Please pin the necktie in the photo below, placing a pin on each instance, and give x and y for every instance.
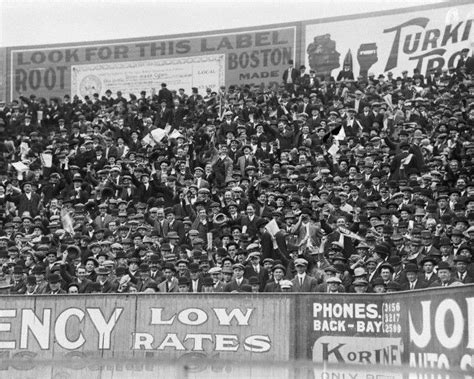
(412, 286)
(167, 287)
(301, 282)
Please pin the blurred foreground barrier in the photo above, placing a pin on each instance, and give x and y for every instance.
(426, 329)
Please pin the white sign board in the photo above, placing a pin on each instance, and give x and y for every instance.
(134, 77)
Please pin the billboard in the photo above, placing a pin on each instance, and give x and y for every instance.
(73, 329)
(430, 38)
(424, 330)
(252, 56)
(440, 331)
(347, 330)
(207, 71)
(239, 334)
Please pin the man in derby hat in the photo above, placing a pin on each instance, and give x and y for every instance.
(445, 276)
(414, 282)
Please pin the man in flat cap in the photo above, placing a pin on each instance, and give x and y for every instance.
(238, 282)
(302, 282)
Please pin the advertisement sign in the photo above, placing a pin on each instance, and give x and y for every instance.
(423, 330)
(440, 331)
(388, 335)
(347, 330)
(183, 327)
(252, 56)
(426, 39)
(207, 71)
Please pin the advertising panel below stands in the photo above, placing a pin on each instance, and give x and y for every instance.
(253, 56)
(440, 329)
(426, 39)
(423, 330)
(354, 329)
(73, 330)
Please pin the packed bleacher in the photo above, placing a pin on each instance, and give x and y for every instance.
(317, 185)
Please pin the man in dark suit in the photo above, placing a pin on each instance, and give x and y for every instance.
(170, 284)
(107, 284)
(445, 276)
(54, 285)
(315, 120)
(174, 225)
(163, 116)
(127, 190)
(366, 118)
(145, 280)
(76, 194)
(156, 218)
(247, 159)
(236, 284)
(103, 218)
(250, 222)
(460, 269)
(164, 94)
(254, 268)
(302, 282)
(19, 280)
(100, 161)
(80, 279)
(217, 284)
(155, 269)
(28, 201)
(195, 283)
(404, 163)
(303, 80)
(428, 275)
(358, 103)
(427, 242)
(414, 282)
(110, 150)
(194, 99)
(262, 209)
(465, 61)
(146, 188)
(273, 285)
(290, 76)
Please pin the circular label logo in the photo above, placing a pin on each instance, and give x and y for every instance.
(89, 85)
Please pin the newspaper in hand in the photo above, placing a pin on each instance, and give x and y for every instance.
(272, 228)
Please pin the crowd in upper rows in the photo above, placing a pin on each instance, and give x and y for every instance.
(315, 185)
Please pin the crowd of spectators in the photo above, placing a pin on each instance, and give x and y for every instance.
(315, 185)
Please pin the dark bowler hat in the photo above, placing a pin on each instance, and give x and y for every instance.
(411, 267)
(428, 258)
(444, 266)
(54, 278)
